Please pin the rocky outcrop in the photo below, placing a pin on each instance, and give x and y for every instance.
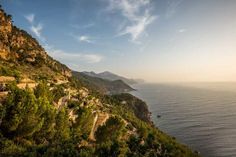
(4, 79)
(5, 30)
(21, 48)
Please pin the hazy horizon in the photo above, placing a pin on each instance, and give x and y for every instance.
(154, 40)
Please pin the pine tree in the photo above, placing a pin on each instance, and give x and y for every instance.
(62, 126)
(84, 123)
(21, 118)
(111, 130)
(48, 114)
(42, 90)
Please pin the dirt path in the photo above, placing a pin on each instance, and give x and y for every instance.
(91, 136)
(99, 119)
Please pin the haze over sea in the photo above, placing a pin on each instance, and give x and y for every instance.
(201, 115)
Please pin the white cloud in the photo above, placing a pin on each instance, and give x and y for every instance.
(137, 12)
(30, 18)
(136, 30)
(73, 58)
(92, 58)
(35, 28)
(182, 30)
(84, 38)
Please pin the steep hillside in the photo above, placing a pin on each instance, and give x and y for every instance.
(103, 85)
(44, 111)
(138, 106)
(21, 52)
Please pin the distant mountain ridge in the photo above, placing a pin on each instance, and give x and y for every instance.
(102, 85)
(112, 77)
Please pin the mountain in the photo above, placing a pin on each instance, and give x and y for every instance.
(46, 111)
(21, 52)
(102, 85)
(112, 77)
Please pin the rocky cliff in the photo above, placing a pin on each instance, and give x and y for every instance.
(18, 47)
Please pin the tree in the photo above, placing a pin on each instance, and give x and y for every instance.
(84, 123)
(58, 92)
(62, 126)
(2, 113)
(22, 115)
(111, 130)
(111, 149)
(42, 90)
(46, 133)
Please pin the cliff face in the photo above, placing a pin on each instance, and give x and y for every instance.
(5, 29)
(21, 48)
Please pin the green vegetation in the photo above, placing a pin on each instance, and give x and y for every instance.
(7, 71)
(101, 85)
(84, 123)
(31, 126)
(24, 117)
(58, 92)
(133, 104)
(111, 130)
(148, 140)
(29, 122)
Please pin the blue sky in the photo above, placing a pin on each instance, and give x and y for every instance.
(157, 40)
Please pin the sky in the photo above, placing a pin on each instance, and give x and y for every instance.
(156, 40)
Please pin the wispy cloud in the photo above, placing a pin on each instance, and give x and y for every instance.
(30, 18)
(82, 38)
(137, 12)
(35, 28)
(172, 7)
(92, 58)
(73, 58)
(138, 28)
(182, 30)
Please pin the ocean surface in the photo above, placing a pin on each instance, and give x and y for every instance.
(200, 115)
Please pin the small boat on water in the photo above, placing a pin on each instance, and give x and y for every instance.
(158, 116)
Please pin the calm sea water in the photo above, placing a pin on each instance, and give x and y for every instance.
(202, 115)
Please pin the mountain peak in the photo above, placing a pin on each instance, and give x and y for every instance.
(105, 72)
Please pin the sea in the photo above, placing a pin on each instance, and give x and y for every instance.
(200, 115)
